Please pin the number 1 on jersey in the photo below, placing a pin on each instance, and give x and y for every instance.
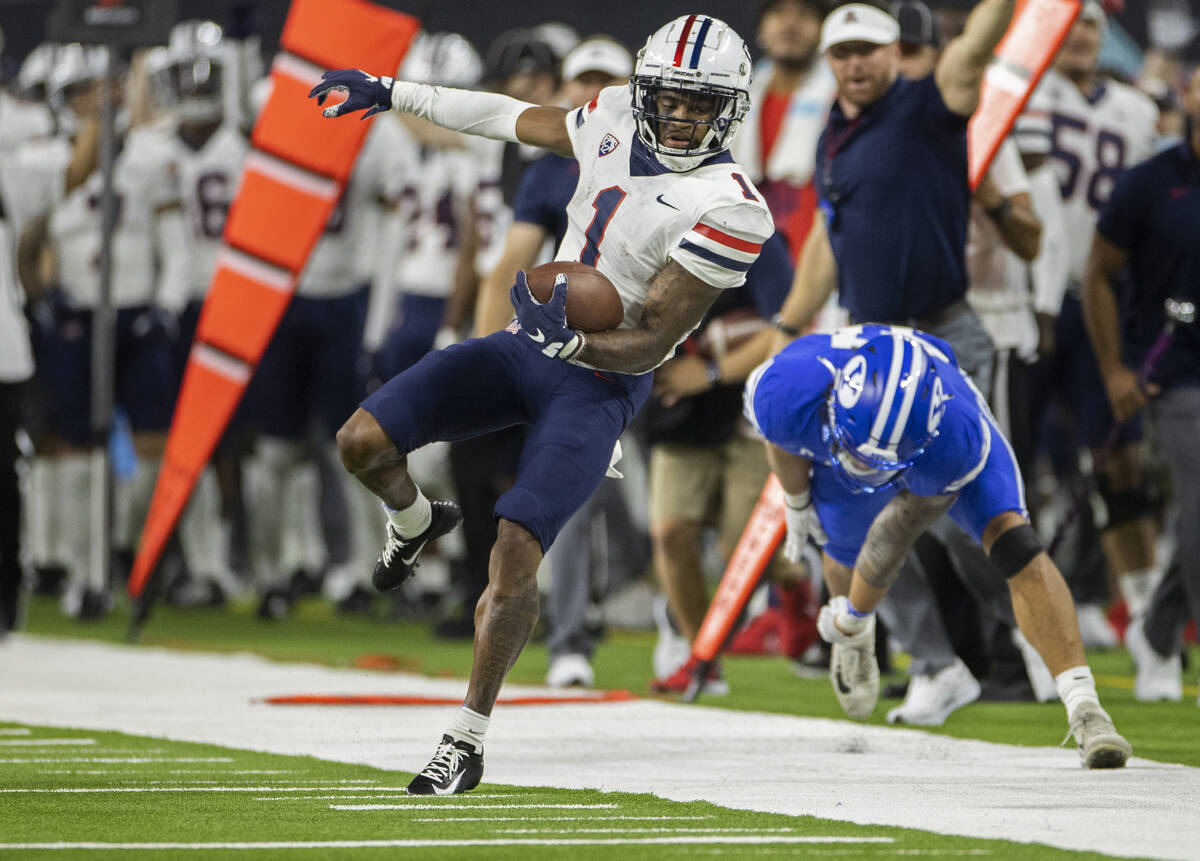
(605, 204)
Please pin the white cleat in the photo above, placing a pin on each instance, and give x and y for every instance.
(570, 671)
(933, 698)
(1095, 629)
(1158, 678)
(1100, 745)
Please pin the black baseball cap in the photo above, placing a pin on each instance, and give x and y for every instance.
(917, 24)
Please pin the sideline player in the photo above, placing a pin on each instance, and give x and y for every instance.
(665, 213)
(875, 433)
(1101, 129)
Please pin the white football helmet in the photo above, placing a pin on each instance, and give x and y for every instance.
(693, 54)
(33, 79)
(444, 59)
(187, 75)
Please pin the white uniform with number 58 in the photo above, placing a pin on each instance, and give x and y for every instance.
(1095, 140)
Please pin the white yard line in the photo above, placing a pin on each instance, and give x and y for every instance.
(133, 760)
(448, 806)
(16, 731)
(764, 762)
(428, 844)
(46, 742)
(583, 818)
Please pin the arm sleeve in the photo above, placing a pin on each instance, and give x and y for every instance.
(489, 115)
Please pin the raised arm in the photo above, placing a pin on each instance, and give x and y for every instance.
(960, 70)
(489, 115)
(674, 306)
(814, 283)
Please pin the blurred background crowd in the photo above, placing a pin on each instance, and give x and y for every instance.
(419, 253)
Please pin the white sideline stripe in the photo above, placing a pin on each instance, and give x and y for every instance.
(46, 742)
(288, 174)
(472, 806)
(421, 844)
(115, 759)
(557, 818)
(693, 829)
(16, 731)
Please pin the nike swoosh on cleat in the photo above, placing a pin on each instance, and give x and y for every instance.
(841, 684)
(452, 788)
(537, 337)
(664, 203)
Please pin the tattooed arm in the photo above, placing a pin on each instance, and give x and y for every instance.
(889, 539)
(674, 306)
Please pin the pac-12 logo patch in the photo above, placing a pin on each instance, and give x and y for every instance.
(607, 145)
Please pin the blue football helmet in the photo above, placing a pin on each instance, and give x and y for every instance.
(884, 410)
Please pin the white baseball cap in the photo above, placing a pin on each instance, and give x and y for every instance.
(597, 55)
(858, 22)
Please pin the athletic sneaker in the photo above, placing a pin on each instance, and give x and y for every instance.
(855, 674)
(671, 649)
(399, 556)
(570, 671)
(456, 767)
(933, 698)
(1158, 678)
(679, 681)
(1100, 745)
(1094, 628)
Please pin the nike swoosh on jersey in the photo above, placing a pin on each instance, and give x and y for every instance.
(537, 337)
(664, 203)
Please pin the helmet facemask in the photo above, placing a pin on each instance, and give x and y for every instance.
(728, 106)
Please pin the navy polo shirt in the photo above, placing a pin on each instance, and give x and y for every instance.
(545, 190)
(893, 186)
(1154, 214)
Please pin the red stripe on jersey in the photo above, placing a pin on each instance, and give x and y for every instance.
(592, 104)
(687, 29)
(727, 240)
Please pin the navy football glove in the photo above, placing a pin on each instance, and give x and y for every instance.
(546, 324)
(362, 91)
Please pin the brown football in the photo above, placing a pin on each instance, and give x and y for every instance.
(593, 304)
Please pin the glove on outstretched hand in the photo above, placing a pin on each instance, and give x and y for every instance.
(362, 91)
(546, 324)
(802, 522)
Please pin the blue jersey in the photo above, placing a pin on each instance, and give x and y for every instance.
(546, 188)
(788, 401)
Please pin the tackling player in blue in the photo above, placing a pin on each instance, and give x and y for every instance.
(875, 433)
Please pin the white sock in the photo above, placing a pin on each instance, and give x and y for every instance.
(413, 520)
(469, 726)
(1138, 588)
(1076, 688)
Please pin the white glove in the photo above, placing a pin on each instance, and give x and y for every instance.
(837, 624)
(802, 523)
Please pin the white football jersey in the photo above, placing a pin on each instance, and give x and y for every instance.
(32, 178)
(1095, 140)
(493, 216)
(144, 183)
(208, 180)
(433, 196)
(630, 215)
(344, 257)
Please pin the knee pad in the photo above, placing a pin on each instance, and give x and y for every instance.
(1015, 549)
(1125, 506)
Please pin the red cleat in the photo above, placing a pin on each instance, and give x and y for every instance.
(679, 681)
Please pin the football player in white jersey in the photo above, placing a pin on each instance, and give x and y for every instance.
(665, 213)
(146, 255)
(206, 152)
(1101, 128)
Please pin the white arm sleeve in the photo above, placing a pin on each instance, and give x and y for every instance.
(488, 115)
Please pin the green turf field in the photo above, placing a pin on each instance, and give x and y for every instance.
(79, 794)
(70, 794)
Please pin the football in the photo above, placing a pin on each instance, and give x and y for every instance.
(593, 304)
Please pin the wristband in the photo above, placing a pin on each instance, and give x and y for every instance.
(777, 322)
(796, 501)
(855, 613)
